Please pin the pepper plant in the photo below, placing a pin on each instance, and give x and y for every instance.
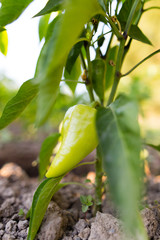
(110, 123)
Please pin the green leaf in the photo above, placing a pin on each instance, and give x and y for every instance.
(89, 198)
(84, 208)
(10, 10)
(74, 75)
(49, 82)
(17, 104)
(110, 66)
(101, 2)
(46, 151)
(125, 11)
(120, 143)
(156, 147)
(3, 42)
(64, 36)
(73, 55)
(83, 199)
(42, 62)
(137, 34)
(51, 6)
(43, 26)
(41, 199)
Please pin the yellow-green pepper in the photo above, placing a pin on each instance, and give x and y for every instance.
(79, 138)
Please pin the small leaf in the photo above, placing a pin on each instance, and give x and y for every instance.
(120, 142)
(10, 10)
(43, 25)
(3, 42)
(41, 199)
(89, 204)
(17, 104)
(51, 6)
(110, 66)
(83, 199)
(87, 181)
(89, 198)
(84, 208)
(137, 34)
(45, 153)
(21, 212)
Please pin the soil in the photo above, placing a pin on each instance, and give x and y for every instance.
(64, 219)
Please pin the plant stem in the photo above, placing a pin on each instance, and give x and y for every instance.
(150, 8)
(86, 163)
(89, 84)
(120, 57)
(102, 35)
(143, 60)
(98, 182)
(108, 47)
(83, 61)
(117, 72)
(114, 28)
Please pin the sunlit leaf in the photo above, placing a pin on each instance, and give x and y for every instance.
(137, 34)
(40, 202)
(43, 25)
(64, 36)
(119, 138)
(51, 6)
(17, 104)
(10, 10)
(46, 151)
(3, 42)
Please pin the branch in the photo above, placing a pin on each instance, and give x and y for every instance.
(150, 55)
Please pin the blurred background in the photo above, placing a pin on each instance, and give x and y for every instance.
(19, 65)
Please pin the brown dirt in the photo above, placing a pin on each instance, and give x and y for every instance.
(17, 189)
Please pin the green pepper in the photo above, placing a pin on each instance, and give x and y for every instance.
(98, 77)
(78, 139)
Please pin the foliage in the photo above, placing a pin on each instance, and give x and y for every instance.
(79, 27)
(86, 201)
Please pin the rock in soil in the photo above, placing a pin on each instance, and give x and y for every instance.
(14, 185)
(53, 224)
(107, 227)
(150, 221)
